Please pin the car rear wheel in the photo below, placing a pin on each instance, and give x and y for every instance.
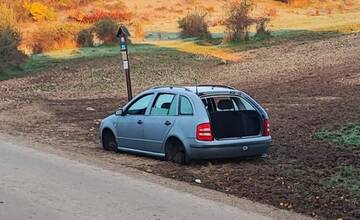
(175, 152)
(109, 142)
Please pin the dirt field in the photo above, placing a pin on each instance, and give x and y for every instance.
(304, 86)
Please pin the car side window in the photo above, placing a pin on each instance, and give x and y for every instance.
(185, 106)
(163, 105)
(140, 105)
(242, 104)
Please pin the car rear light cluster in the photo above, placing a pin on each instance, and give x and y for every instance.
(266, 128)
(203, 132)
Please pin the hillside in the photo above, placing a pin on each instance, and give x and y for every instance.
(47, 25)
(162, 15)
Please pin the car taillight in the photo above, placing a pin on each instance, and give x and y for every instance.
(266, 128)
(203, 132)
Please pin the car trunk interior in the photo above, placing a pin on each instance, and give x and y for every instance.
(232, 117)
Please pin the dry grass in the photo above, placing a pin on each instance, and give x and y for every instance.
(285, 16)
(335, 22)
(193, 48)
(162, 16)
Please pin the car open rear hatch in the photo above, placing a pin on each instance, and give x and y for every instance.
(232, 116)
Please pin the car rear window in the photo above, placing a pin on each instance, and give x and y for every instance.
(226, 103)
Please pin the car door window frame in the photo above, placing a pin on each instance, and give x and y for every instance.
(133, 102)
(174, 101)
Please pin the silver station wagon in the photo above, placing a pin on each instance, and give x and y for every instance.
(184, 123)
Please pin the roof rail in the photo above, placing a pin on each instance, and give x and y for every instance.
(171, 87)
(159, 87)
(222, 86)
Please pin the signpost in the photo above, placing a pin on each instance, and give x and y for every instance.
(123, 35)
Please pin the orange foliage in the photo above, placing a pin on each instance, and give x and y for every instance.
(162, 8)
(316, 12)
(270, 12)
(298, 3)
(174, 10)
(39, 11)
(77, 15)
(139, 30)
(301, 3)
(116, 14)
(210, 9)
(329, 10)
(52, 37)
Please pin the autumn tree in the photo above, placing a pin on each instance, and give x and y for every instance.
(194, 25)
(10, 38)
(238, 20)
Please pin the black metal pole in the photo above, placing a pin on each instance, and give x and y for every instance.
(128, 84)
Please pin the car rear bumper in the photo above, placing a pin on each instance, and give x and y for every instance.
(228, 148)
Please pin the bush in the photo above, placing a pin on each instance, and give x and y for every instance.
(194, 25)
(238, 21)
(52, 37)
(85, 38)
(261, 27)
(10, 56)
(106, 30)
(39, 11)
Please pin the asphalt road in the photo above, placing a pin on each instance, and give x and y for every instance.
(39, 185)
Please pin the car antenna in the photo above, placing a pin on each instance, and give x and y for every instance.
(196, 87)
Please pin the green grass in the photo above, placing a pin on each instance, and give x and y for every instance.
(43, 61)
(348, 177)
(348, 135)
(280, 37)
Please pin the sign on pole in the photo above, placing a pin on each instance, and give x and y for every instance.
(123, 34)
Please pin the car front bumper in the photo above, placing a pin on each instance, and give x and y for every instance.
(228, 148)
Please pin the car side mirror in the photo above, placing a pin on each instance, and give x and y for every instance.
(119, 112)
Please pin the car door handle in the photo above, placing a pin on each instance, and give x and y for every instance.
(140, 122)
(167, 123)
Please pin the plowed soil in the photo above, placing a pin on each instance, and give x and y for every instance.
(304, 86)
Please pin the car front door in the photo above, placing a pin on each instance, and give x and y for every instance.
(130, 126)
(159, 121)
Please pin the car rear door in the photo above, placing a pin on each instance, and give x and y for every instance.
(130, 126)
(160, 120)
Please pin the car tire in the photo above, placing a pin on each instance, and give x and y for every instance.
(181, 158)
(175, 152)
(109, 142)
